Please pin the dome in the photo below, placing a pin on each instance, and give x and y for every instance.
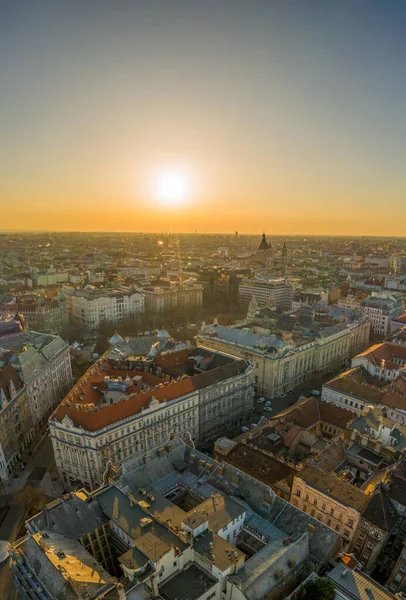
(163, 334)
(116, 339)
(61, 296)
(41, 301)
(263, 244)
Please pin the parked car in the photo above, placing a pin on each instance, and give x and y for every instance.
(261, 400)
(282, 396)
(253, 425)
(268, 408)
(315, 393)
(244, 429)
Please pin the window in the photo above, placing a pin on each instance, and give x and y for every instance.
(298, 493)
(337, 527)
(332, 512)
(323, 506)
(329, 522)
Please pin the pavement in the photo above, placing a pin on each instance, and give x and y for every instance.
(280, 404)
(38, 472)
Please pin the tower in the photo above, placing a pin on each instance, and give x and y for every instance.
(264, 252)
(285, 258)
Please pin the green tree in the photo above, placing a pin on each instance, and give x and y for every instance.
(318, 589)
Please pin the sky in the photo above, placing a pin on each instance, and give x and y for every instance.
(275, 115)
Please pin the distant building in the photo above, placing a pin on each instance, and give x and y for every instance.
(277, 290)
(159, 297)
(282, 365)
(40, 313)
(382, 308)
(355, 389)
(39, 280)
(92, 307)
(264, 253)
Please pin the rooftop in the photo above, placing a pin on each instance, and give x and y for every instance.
(69, 570)
(187, 584)
(106, 394)
(332, 486)
(352, 584)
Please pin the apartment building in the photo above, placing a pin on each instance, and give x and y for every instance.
(383, 361)
(281, 365)
(91, 307)
(382, 308)
(119, 408)
(330, 500)
(16, 423)
(43, 364)
(278, 292)
(159, 297)
(40, 313)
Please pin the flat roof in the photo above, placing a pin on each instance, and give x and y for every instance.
(188, 584)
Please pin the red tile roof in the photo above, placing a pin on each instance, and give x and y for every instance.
(82, 403)
(386, 352)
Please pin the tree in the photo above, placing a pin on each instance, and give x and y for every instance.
(318, 589)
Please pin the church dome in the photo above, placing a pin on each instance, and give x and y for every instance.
(163, 334)
(263, 245)
(116, 339)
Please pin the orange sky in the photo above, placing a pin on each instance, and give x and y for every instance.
(284, 127)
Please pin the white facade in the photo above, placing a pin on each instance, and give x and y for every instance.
(158, 299)
(91, 308)
(381, 308)
(285, 366)
(47, 375)
(82, 455)
(278, 291)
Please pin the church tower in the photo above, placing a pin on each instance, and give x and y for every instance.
(264, 252)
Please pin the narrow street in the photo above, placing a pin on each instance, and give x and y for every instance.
(35, 475)
(8, 531)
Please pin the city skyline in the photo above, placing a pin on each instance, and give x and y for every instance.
(282, 117)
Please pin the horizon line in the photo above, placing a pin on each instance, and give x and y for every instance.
(193, 232)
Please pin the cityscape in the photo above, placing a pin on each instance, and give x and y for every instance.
(203, 301)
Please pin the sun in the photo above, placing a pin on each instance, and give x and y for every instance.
(172, 187)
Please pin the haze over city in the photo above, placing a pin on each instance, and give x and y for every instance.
(202, 300)
(284, 116)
